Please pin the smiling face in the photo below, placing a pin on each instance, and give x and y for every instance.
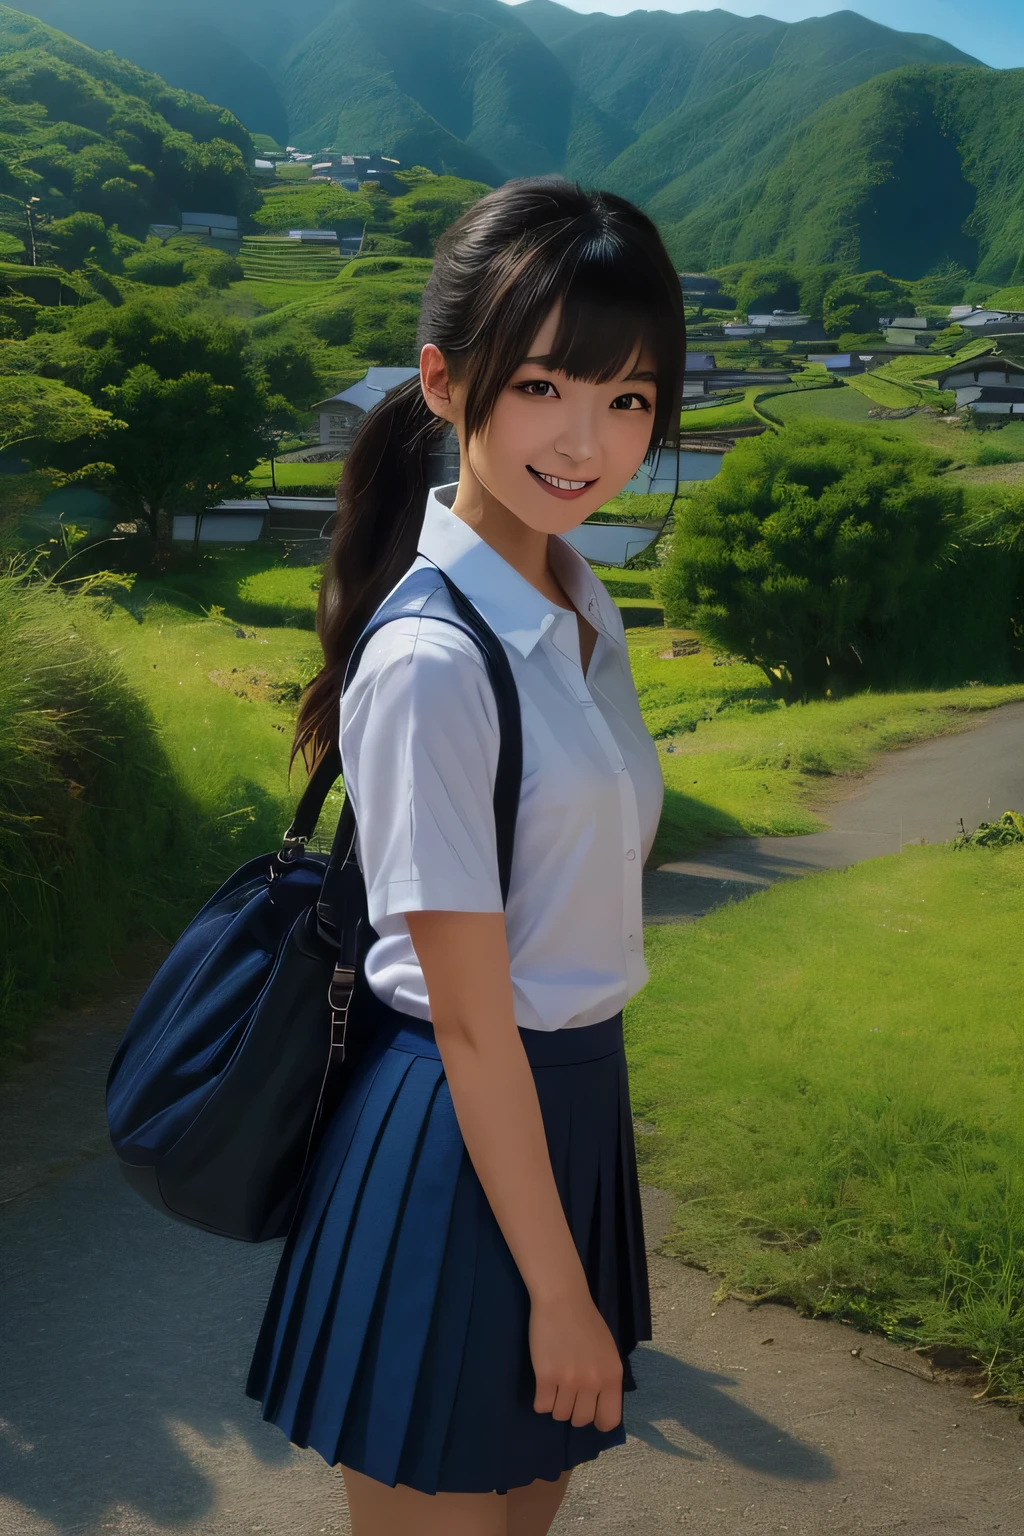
(555, 448)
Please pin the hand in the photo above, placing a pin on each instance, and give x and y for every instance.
(576, 1362)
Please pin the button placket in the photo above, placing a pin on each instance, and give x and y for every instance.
(632, 906)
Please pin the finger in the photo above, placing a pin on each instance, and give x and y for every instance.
(583, 1412)
(544, 1397)
(608, 1414)
(564, 1403)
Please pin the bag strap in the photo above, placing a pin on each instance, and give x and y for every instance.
(409, 599)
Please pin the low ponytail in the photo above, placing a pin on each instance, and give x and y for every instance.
(498, 271)
(381, 500)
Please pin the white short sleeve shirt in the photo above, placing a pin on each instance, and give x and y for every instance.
(419, 743)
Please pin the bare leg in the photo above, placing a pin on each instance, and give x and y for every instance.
(532, 1509)
(378, 1510)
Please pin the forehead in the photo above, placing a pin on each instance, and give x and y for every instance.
(641, 359)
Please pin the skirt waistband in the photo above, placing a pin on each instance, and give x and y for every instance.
(544, 1047)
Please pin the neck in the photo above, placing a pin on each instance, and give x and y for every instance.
(524, 548)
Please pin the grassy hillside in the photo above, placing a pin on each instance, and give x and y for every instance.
(86, 131)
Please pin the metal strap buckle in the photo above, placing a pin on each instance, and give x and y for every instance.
(292, 847)
(339, 996)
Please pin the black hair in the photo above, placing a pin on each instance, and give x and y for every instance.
(498, 272)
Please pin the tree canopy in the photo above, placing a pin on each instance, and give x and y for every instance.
(799, 553)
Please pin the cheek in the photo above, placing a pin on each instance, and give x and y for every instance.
(515, 432)
(629, 442)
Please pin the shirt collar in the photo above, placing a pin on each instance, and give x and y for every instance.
(514, 609)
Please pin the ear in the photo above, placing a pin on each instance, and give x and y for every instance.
(435, 383)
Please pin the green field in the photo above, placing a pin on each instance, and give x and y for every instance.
(843, 404)
(742, 763)
(831, 1075)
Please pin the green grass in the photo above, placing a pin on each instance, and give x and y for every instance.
(833, 1072)
(285, 475)
(742, 763)
(715, 418)
(843, 404)
(275, 295)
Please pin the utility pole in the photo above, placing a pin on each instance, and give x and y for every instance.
(29, 212)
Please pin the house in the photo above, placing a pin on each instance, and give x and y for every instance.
(993, 322)
(215, 226)
(349, 171)
(904, 323)
(741, 332)
(996, 402)
(341, 415)
(788, 325)
(991, 385)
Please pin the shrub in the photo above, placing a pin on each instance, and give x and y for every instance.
(335, 326)
(798, 556)
(159, 268)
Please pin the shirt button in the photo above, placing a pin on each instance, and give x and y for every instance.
(630, 853)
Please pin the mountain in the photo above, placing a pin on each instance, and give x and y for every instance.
(910, 170)
(224, 50)
(829, 139)
(460, 85)
(88, 132)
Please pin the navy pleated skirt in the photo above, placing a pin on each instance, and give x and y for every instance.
(395, 1340)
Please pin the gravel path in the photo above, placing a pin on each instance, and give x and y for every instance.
(917, 794)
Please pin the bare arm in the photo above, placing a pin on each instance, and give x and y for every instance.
(465, 962)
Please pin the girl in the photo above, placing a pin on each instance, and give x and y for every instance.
(465, 1276)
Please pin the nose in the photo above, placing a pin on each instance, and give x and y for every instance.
(576, 439)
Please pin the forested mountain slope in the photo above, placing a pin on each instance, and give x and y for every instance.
(90, 132)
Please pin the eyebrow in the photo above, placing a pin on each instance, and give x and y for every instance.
(646, 375)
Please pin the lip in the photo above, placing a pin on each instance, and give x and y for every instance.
(553, 490)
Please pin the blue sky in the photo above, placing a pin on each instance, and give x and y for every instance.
(990, 30)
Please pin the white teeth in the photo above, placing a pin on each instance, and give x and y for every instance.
(563, 485)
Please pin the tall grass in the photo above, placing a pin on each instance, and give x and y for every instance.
(97, 841)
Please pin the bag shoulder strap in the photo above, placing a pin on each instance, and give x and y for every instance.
(409, 599)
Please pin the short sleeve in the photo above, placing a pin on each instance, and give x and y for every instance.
(419, 744)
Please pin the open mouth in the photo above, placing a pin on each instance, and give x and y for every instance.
(559, 486)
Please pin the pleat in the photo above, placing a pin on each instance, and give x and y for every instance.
(406, 1304)
(318, 1240)
(442, 1365)
(396, 1339)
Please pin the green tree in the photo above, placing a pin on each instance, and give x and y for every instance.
(857, 303)
(765, 286)
(83, 237)
(189, 442)
(32, 408)
(192, 404)
(798, 555)
(425, 212)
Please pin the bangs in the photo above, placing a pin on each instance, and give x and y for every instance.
(615, 304)
(606, 320)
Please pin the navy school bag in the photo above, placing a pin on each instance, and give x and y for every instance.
(242, 1043)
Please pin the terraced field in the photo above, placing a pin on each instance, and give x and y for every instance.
(276, 259)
